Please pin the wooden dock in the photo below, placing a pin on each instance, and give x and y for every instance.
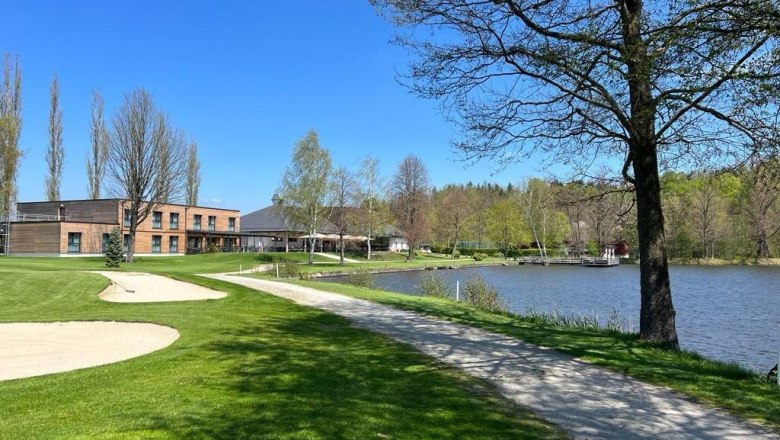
(571, 261)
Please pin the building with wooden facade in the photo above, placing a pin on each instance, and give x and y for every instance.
(82, 227)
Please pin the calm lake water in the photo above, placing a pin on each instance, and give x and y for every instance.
(726, 313)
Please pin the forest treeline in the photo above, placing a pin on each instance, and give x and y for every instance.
(725, 214)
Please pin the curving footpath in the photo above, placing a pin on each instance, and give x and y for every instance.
(585, 401)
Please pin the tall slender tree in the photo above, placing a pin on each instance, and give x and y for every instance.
(344, 193)
(599, 81)
(141, 136)
(98, 157)
(193, 173)
(370, 188)
(55, 155)
(10, 131)
(306, 189)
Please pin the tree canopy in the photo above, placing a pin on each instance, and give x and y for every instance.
(643, 83)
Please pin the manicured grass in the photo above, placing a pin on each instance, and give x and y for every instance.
(722, 385)
(247, 366)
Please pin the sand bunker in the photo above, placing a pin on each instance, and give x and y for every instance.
(137, 287)
(35, 349)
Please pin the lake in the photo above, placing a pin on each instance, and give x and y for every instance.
(728, 313)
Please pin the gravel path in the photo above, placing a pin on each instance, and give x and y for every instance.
(585, 401)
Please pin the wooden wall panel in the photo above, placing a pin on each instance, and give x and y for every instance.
(35, 237)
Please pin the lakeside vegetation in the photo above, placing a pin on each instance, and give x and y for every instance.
(250, 365)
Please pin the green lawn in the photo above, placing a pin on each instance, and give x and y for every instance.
(722, 385)
(247, 366)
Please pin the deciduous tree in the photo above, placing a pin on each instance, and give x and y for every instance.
(505, 226)
(98, 136)
(602, 80)
(306, 187)
(55, 155)
(344, 194)
(454, 215)
(369, 191)
(410, 190)
(10, 131)
(193, 174)
(142, 138)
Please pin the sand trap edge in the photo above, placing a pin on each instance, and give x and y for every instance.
(32, 349)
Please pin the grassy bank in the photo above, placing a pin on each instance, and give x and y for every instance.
(247, 366)
(722, 385)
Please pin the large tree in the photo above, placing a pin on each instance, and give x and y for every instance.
(55, 154)
(147, 159)
(10, 131)
(410, 191)
(98, 157)
(306, 189)
(602, 81)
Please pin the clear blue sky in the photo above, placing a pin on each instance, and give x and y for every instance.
(245, 79)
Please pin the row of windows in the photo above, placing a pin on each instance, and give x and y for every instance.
(173, 223)
(74, 243)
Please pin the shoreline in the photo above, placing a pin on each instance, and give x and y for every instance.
(353, 270)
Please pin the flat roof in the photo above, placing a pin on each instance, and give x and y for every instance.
(122, 200)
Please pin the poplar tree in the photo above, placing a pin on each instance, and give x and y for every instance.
(10, 131)
(193, 174)
(55, 155)
(98, 157)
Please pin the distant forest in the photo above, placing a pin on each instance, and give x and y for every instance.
(726, 214)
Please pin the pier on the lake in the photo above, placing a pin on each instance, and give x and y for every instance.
(609, 261)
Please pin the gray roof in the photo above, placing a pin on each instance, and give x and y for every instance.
(274, 219)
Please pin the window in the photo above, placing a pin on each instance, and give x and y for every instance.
(157, 220)
(173, 244)
(212, 222)
(126, 243)
(174, 220)
(127, 217)
(156, 243)
(74, 242)
(232, 224)
(106, 238)
(196, 222)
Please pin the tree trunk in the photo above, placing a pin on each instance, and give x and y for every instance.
(657, 315)
(763, 245)
(341, 243)
(368, 242)
(311, 250)
(130, 245)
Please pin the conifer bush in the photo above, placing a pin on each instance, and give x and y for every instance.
(114, 249)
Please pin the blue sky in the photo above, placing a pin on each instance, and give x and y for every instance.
(245, 79)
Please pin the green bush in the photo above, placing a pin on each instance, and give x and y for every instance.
(478, 256)
(287, 269)
(114, 249)
(362, 278)
(213, 248)
(456, 254)
(434, 285)
(483, 295)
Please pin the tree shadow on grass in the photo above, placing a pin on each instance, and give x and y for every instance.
(312, 375)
